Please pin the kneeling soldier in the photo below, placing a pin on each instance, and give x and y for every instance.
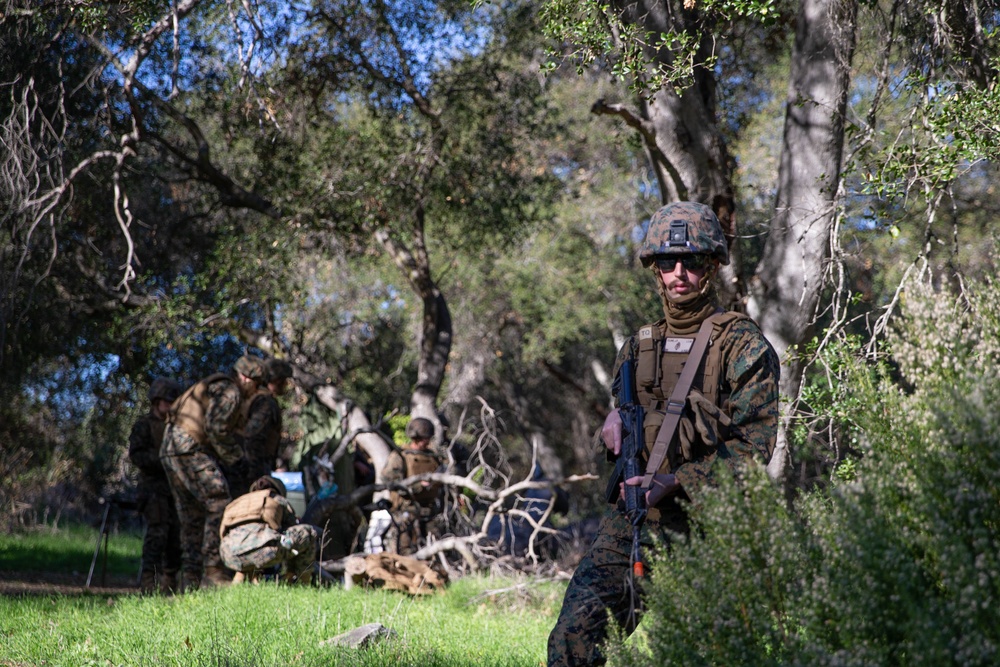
(259, 530)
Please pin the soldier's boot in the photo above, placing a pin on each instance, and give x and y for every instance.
(239, 578)
(147, 582)
(216, 576)
(168, 583)
(191, 581)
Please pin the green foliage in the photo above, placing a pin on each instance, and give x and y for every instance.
(397, 426)
(599, 32)
(896, 565)
(727, 597)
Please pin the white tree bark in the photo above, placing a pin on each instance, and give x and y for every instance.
(786, 288)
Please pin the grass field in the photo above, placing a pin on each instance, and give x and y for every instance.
(69, 550)
(477, 621)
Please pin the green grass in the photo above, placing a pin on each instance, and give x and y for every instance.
(68, 550)
(472, 623)
(270, 625)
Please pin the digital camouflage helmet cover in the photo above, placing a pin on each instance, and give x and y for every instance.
(268, 482)
(420, 428)
(684, 228)
(251, 367)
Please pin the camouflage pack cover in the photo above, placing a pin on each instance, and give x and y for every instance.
(683, 228)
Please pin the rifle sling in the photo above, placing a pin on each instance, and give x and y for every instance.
(675, 406)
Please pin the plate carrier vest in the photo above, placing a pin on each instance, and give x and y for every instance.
(188, 411)
(253, 507)
(659, 362)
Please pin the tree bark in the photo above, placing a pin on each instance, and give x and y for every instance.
(786, 289)
(436, 328)
(683, 142)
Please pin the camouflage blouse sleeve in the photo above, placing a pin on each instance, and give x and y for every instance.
(221, 419)
(394, 471)
(142, 450)
(264, 417)
(751, 379)
(288, 519)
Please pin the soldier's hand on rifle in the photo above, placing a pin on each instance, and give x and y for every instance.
(611, 432)
(663, 485)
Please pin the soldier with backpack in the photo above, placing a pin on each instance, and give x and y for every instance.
(203, 435)
(259, 531)
(402, 527)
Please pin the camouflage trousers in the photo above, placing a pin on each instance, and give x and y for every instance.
(405, 536)
(161, 546)
(257, 546)
(201, 494)
(602, 583)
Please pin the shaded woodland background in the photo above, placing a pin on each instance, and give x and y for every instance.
(432, 206)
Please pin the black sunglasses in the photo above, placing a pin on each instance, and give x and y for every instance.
(666, 263)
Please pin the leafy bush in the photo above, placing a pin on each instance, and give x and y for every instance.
(897, 566)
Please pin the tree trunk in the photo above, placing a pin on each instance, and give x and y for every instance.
(786, 289)
(435, 332)
(682, 140)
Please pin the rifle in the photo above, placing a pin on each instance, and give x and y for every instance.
(629, 462)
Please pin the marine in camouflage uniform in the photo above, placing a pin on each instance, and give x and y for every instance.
(412, 512)
(262, 433)
(257, 418)
(161, 546)
(729, 418)
(259, 531)
(201, 437)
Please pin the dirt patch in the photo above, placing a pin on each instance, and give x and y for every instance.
(19, 584)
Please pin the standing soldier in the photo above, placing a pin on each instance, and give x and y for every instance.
(201, 436)
(161, 548)
(262, 433)
(411, 513)
(722, 412)
(253, 383)
(259, 530)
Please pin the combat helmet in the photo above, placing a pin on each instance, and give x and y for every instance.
(683, 228)
(164, 388)
(251, 367)
(420, 428)
(269, 482)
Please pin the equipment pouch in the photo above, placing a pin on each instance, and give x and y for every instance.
(703, 430)
(650, 428)
(647, 367)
